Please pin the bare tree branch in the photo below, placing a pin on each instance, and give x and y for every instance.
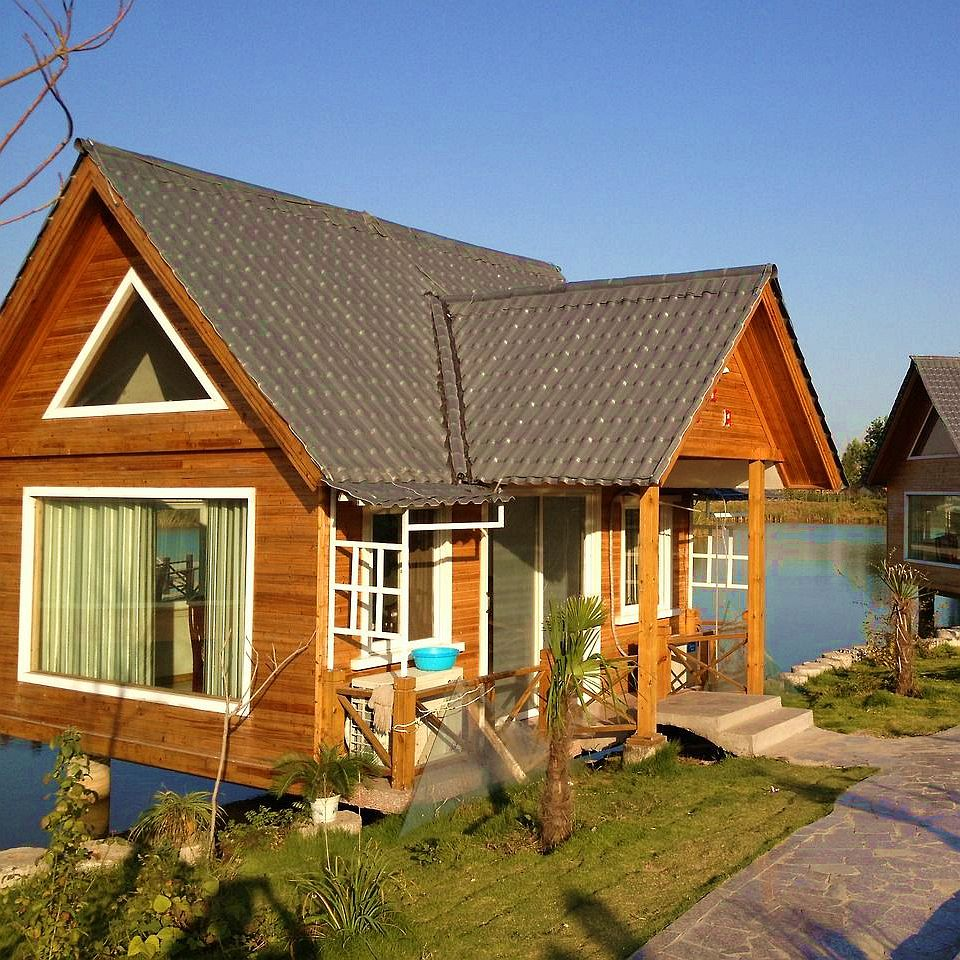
(51, 45)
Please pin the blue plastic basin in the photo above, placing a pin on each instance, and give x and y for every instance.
(435, 658)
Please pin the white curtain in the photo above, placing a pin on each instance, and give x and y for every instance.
(225, 592)
(97, 590)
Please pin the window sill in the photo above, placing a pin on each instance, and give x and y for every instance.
(625, 619)
(101, 688)
(389, 660)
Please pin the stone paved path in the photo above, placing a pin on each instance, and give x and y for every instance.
(877, 878)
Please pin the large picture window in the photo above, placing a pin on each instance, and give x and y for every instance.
(933, 528)
(145, 594)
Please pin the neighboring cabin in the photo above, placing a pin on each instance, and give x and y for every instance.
(919, 464)
(234, 420)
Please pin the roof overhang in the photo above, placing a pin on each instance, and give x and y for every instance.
(406, 495)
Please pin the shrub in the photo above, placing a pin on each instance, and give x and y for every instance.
(262, 828)
(179, 819)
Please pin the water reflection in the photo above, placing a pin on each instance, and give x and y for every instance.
(820, 583)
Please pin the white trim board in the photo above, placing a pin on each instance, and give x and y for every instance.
(25, 671)
(90, 352)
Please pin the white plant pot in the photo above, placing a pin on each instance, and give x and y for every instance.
(324, 809)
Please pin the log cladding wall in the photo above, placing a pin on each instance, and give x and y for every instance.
(940, 475)
(611, 538)
(209, 449)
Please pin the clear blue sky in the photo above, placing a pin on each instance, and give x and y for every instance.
(610, 138)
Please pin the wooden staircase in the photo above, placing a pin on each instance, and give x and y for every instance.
(743, 724)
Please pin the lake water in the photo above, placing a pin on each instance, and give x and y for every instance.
(819, 583)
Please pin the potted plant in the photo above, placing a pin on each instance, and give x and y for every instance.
(323, 779)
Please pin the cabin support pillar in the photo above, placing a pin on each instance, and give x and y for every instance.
(97, 781)
(646, 740)
(403, 743)
(756, 577)
(926, 605)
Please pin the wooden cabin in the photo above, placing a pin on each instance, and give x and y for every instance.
(918, 461)
(235, 423)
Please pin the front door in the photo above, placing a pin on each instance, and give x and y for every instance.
(536, 560)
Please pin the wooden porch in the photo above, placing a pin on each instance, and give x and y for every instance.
(481, 707)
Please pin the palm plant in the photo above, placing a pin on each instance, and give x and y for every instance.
(175, 818)
(576, 666)
(892, 637)
(331, 772)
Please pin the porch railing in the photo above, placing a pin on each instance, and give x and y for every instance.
(707, 659)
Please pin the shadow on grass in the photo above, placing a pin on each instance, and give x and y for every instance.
(599, 925)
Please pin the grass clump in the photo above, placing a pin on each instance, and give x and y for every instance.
(858, 699)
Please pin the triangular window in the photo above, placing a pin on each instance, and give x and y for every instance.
(933, 439)
(134, 362)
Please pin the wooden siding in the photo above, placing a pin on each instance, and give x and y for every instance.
(773, 415)
(940, 475)
(203, 449)
(284, 614)
(65, 317)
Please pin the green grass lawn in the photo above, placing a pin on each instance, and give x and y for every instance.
(649, 843)
(857, 700)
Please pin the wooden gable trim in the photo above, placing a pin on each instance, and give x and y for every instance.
(21, 335)
(288, 442)
(25, 308)
(786, 451)
(908, 415)
(801, 385)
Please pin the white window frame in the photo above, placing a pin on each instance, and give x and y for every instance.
(131, 284)
(442, 595)
(630, 613)
(932, 412)
(906, 527)
(28, 559)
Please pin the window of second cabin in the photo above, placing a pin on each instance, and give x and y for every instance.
(933, 439)
(933, 528)
(137, 364)
(630, 567)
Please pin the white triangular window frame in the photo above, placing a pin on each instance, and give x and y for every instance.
(130, 285)
(932, 414)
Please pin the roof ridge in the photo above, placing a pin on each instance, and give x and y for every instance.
(92, 147)
(766, 271)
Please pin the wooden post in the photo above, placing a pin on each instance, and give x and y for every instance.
(756, 577)
(330, 719)
(646, 740)
(543, 686)
(403, 740)
(926, 606)
(324, 696)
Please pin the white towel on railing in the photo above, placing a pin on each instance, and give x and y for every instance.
(381, 706)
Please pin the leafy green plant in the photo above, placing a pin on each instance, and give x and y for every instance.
(329, 773)
(576, 668)
(262, 828)
(179, 819)
(51, 904)
(350, 897)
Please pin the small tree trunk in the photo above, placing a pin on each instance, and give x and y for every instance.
(905, 650)
(556, 804)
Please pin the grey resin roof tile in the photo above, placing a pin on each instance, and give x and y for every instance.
(324, 307)
(941, 380)
(594, 382)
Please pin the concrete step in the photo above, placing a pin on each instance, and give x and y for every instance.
(759, 734)
(707, 714)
